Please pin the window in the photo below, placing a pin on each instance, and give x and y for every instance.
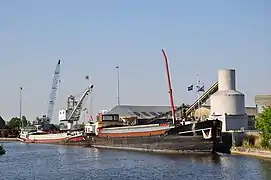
(146, 114)
(116, 117)
(153, 113)
(160, 113)
(136, 113)
(107, 118)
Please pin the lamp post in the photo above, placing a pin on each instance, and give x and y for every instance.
(118, 84)
(21, 96)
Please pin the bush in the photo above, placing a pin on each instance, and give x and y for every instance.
(249, 141)
(263, 124)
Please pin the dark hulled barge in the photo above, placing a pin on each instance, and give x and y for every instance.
(203, 136)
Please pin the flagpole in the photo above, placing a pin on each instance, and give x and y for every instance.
(198, 93)
(118, 85)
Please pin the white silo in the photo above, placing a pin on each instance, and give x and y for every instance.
(227, 100)
(227, 103)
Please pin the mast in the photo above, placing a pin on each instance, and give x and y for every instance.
(170, 89)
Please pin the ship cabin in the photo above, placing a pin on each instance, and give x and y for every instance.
(109, 120)
(108, 117)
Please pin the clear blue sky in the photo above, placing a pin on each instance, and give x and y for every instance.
(92, 37)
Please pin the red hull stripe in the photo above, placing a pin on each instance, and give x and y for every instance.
(132, 134)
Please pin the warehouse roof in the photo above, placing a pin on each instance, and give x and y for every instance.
(142, 112)
(146, 112)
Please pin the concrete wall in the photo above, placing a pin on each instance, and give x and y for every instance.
(230, 123)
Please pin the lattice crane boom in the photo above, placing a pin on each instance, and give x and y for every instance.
(52, 99)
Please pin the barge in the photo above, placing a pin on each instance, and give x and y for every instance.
(40, 136)
(201, 137)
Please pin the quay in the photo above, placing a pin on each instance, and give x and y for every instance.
(8, 139)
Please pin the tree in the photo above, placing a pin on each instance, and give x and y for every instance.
(263, 124)
(28, 123)
(2, 123)
(15, 123)
(24, 121)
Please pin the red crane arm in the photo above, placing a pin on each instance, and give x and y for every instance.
(170, 88)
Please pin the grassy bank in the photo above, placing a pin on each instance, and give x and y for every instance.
(252, 145)
(251, 152)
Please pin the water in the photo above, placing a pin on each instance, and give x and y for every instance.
(51, 162)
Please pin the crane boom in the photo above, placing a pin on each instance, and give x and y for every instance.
(170, 88)
(74, 115)
(53, 92)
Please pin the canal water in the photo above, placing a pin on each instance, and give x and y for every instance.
(52, 162)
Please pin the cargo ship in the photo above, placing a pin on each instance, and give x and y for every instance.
(203, 136)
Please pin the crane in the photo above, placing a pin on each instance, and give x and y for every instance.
(52, 98)
(74, 108)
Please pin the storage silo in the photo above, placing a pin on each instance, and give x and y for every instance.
(227, 100)
(228, 104)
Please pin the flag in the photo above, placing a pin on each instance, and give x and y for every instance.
(200, 89)
(91, 118)
(117, 67)
(21, 88)
(190, 88)
(87, 77)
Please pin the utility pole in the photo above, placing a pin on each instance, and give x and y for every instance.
(118, 84)
(21, 96)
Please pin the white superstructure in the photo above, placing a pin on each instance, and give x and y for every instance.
(228, 104)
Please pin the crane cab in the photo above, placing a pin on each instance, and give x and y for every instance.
(62, 115)
(107, 117)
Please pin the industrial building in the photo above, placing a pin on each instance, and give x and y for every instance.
(226, 104)
(145, 112)
(262, 101)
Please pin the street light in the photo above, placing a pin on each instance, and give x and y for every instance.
(118, 84)
(21, 95)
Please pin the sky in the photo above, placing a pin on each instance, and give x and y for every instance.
(93, 37)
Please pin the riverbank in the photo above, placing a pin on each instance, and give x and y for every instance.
(8, 139)
(251, 152)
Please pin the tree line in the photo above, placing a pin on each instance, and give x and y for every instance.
(14, 123)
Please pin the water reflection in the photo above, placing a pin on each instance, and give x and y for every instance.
(265, 168)
(195, 158)
(93, 153)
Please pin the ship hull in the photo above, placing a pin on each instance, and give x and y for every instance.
(50, 138)
(169, 144)
(197, 137)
